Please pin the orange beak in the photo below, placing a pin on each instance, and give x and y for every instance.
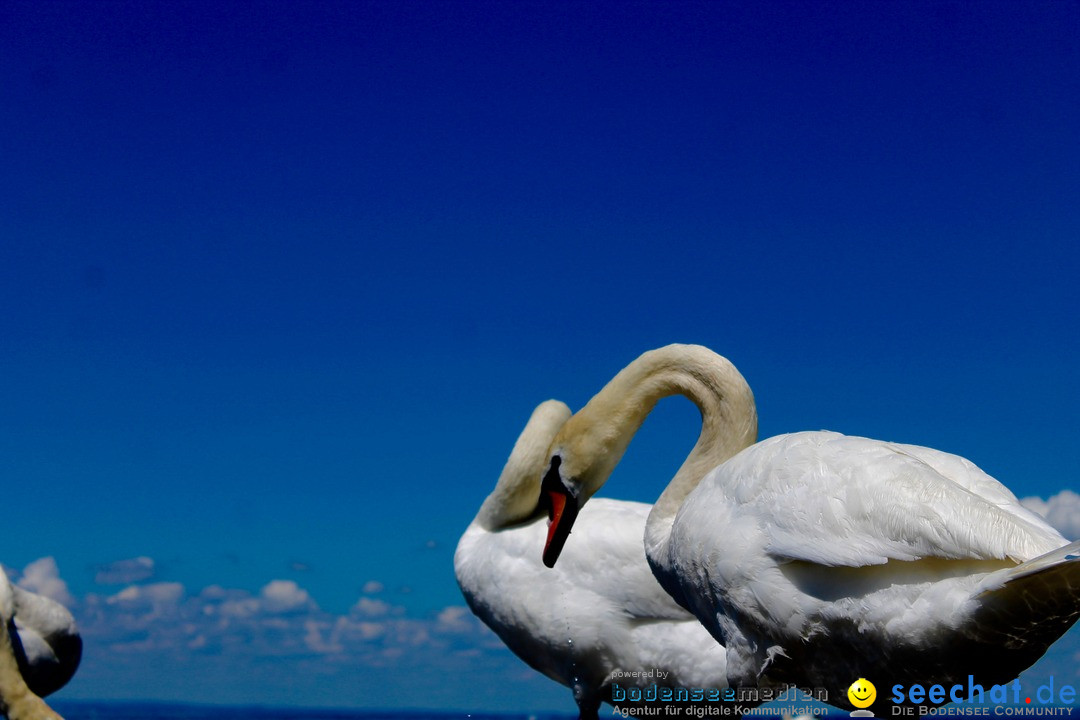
(562, 512)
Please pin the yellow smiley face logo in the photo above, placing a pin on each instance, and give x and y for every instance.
(862, 693)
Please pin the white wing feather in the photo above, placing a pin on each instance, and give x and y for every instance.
(835, 500)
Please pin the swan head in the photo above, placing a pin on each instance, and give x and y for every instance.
(581, 458)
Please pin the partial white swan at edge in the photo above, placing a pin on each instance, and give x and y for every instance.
(597, 618)
(40, 650)
(818, 558)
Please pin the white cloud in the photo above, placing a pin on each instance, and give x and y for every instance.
(359, 631)
(455, 619)
(276, 635)
(1061, 510)
(43, 577)
(152, 596)
(373, 586)
(284, 596)
(236, 608)
(313, 638)
(214, 592)
(123, 572)
(370, 608)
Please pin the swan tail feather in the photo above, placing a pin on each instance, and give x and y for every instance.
(1030, 606)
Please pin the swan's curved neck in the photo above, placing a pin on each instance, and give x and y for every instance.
(711, 382)
(514, 499)
(508, 505)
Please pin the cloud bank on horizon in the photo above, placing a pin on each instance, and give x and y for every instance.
(190, 645)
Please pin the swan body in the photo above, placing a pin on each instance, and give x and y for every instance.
(40, 649)
(848, 557)
(818, 558)
(600, 617)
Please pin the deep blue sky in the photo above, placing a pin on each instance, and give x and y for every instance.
(282, 281)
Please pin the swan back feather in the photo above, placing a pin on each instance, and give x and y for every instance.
(837, 500)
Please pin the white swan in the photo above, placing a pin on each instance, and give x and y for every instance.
(600, 617)
(817, 558)
(40, 649)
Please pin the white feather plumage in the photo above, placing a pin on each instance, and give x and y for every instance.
(600, 611)
(818, 558)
